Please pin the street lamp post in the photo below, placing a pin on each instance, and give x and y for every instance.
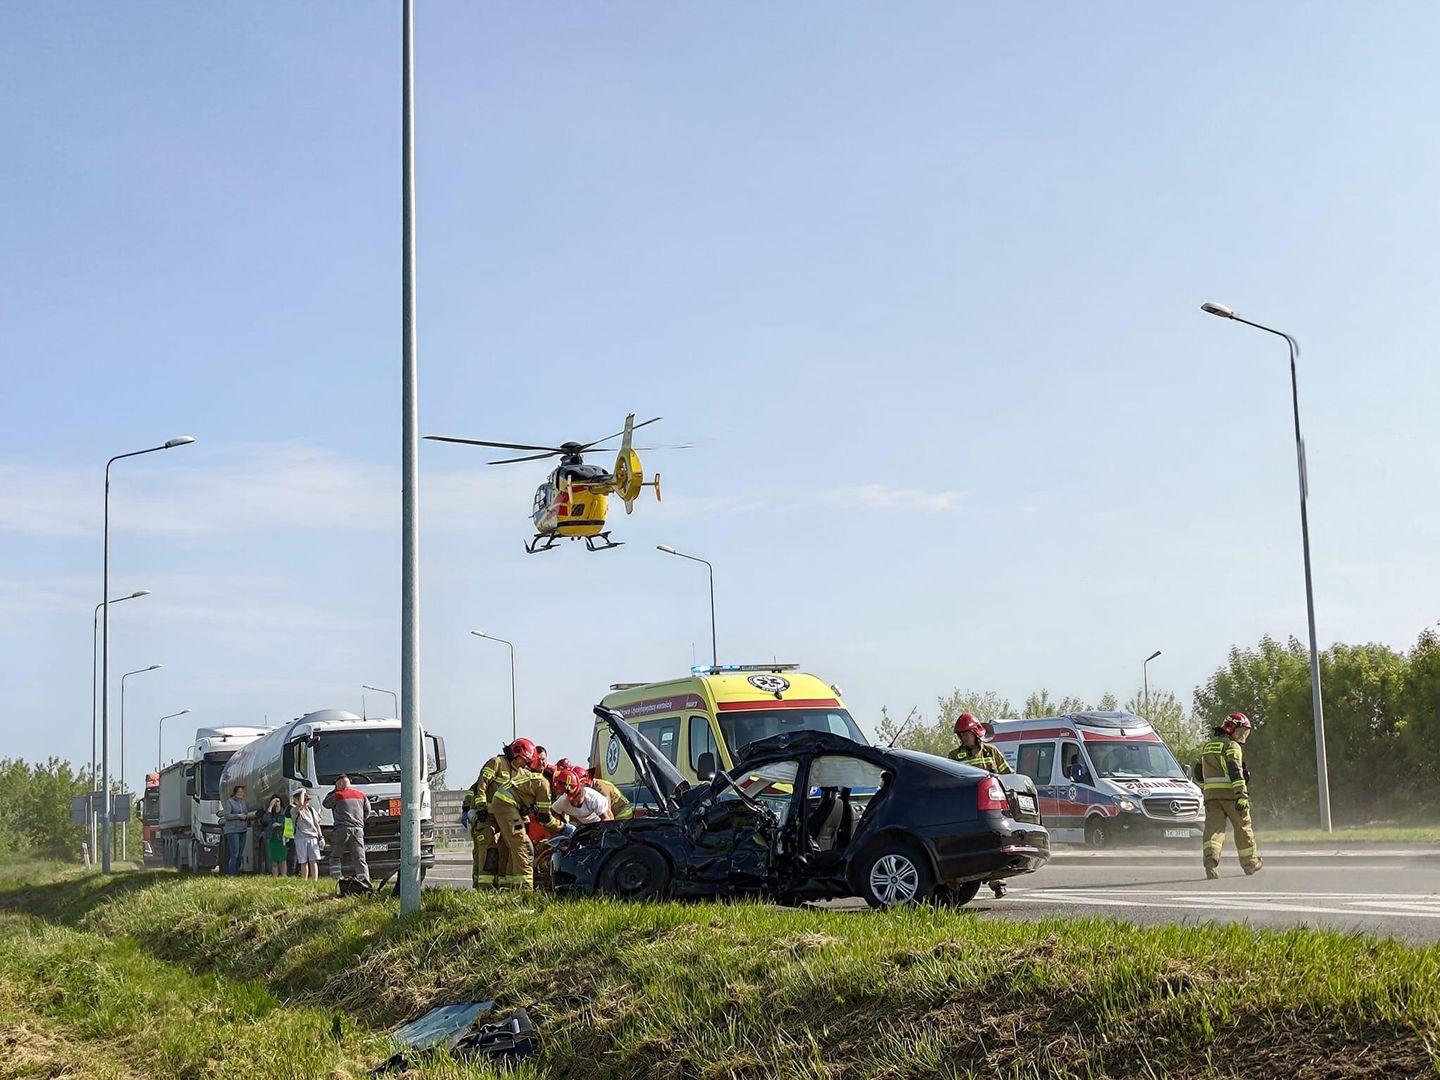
(1145, 676)
(1321, 769)
(514, 733)
(94, 715)
(124, 833)
(382, 690)
(169, 444)
(160, 737)
(714, 651)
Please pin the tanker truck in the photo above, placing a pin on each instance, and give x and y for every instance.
(186, 832)
(310, 753)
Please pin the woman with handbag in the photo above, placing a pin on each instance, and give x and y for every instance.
(272, 831)
(309, 840)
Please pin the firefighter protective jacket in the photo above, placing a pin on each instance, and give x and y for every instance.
(985, 756)
(1222, 769)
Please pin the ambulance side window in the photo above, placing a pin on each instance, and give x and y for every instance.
(702, 741)
(1036, 760)
(1072, 765)
(665, 734)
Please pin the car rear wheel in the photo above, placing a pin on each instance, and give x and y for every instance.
(636, 873)
(895, 875)
(956, 895)
(1097, 834)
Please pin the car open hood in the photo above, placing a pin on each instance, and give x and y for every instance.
(651, 766)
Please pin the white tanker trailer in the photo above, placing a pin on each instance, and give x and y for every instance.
(313, 750)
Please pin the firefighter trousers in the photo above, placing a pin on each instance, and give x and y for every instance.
(517, 857)
(485, 854)
(1217, 812)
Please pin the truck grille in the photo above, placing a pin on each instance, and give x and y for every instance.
(1181, 807)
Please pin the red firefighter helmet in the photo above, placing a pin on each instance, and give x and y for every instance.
(1236, 720)
(967, 722)
(563, 764)
(570, 783)
(524, 749)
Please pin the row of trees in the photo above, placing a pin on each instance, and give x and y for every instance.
(35, 807)
(1382, 726)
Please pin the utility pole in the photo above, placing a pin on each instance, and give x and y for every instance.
(409, 876)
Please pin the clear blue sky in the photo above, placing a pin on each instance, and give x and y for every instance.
(921, 280)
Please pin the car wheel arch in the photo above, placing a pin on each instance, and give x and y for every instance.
(889, 837)
(630, 847)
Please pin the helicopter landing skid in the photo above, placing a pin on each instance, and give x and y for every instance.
(606, 546)
(534, 544)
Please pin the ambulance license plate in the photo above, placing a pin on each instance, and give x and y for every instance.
(1026, 803)
(1177, 834)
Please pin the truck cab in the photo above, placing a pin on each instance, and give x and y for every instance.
(1103, 778)
(188, 800)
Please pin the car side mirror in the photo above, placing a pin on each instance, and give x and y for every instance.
(705, 767)
(190, 781)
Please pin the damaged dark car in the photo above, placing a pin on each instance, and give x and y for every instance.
(809, 815)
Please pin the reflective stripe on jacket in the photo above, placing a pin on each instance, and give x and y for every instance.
(477, 796)
(1222, 769)
(620, 807)
(527, 791)
(985, 756)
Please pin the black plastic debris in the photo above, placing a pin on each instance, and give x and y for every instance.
(462, 1030)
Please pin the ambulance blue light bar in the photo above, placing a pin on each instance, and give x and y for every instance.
(725, 669)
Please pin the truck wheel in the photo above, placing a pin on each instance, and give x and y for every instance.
(895, 874)
(956, 895)
(636, 873)
(1097, 834)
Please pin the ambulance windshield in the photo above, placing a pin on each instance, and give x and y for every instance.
(1137, 760)
(742, 728)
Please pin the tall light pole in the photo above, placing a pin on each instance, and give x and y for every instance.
(410, 754)
(160, 737)
(94, 715)
(169, 444)
(1321, 770)
(138, 671)
(514, 734)
(1145, 675)
(382, 690)
(714, 651)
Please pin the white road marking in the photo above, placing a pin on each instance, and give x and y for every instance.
(1405, 905)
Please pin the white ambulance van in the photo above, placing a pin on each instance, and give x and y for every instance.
(1104, 778)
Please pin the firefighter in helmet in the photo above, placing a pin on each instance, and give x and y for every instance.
(518, 792)
(1222, 773)
(976, 752)
(620, 807)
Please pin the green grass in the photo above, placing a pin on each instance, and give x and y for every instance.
(1354, 834)
(725, 990)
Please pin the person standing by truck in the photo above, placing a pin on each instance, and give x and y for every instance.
(350, 808)
(976, 752)
(272, 832)
(309, 840)
(1221, 772)
(237, 824)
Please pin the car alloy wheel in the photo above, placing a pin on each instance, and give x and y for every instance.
(894, 879)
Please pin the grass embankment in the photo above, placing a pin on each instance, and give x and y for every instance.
(684, 990)
(1354, 834)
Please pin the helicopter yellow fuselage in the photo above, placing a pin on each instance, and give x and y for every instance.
(571, 508)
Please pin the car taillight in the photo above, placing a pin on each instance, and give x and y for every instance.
(992, 796)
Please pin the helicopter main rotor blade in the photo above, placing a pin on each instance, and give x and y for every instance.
(498, 445)
(643, 449)
(633, 427)
(533, 457)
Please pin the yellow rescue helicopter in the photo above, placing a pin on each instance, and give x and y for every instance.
(571, 504)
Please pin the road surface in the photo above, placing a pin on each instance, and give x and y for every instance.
(1386, 892)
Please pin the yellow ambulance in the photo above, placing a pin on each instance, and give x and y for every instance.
(701, 722)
